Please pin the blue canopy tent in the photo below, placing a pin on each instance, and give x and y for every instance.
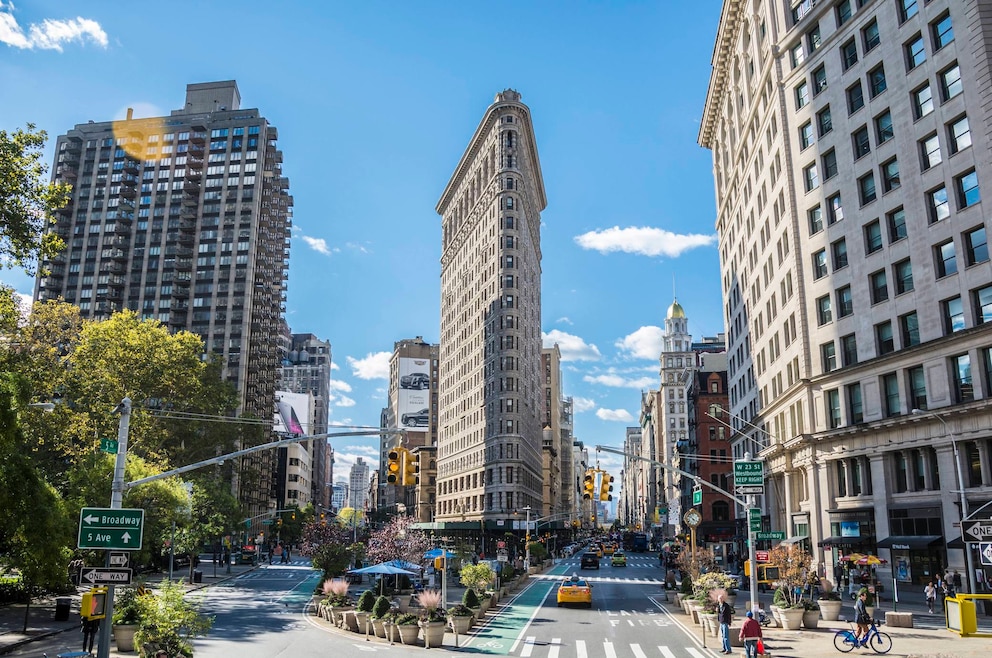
(385, 569)
(438, 552)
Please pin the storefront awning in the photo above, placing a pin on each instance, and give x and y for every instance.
(794, 540)
(846, 541)
(955, 543)
(910, 542)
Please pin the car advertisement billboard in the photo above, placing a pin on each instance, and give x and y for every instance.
(413, 399)
(292, 413)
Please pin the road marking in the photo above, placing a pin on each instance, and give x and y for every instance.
(555, 647)
(636, 648)
(580, 649)
(666, 652)
(695, 653)
(608, 648)
(526, 627)
(528, 646)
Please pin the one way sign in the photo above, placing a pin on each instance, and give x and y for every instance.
(977, 531)
(985, 550)
(106, 576)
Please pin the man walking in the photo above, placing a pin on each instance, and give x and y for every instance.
(724, 615)
(750, 634)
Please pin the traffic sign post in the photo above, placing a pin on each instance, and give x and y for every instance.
(116, 529)
(977, 530)
(749, 475)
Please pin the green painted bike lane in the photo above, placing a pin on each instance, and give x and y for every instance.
(502, 632)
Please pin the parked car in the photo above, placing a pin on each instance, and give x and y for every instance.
(417, 380)
(416, 419)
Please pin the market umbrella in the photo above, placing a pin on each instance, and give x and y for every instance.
(438, 552)
(871, 561)
(385, 569)
(852, 558)
(403, 564)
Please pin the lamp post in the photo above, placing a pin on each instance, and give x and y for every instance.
(527, 542)
(963, 499)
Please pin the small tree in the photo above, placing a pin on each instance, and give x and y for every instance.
(793, 564)
(477, 576)
(695, 563)
(169, 621)
(381, 607)
(397, 540)
(470, 599)
(537, 550)
(366, 601)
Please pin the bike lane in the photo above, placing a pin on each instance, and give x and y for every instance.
(502, 632)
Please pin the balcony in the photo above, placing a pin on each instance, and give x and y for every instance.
(198, 137)
(191, 200)
(126, 205)
(180, 292)
(67, 170)
(194, 162)
(128, 193)
(191, 187)
(131, 165)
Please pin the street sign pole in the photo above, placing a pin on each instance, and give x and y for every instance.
(116, 502)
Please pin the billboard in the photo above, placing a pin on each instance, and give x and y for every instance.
(292, 413)
(414, 395)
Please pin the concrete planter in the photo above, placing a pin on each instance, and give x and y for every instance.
(408, 633)
(710, 623)
(124, 636)
(811, 618)
(461, 624)
(379, 627)
(792, 618)
(433, 633)
(829, 610)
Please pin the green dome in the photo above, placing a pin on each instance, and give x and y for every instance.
(675, 311)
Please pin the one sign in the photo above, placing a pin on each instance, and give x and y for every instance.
(985, 550)
(109, 446)
(106, 576)
(754, 517)
(697, 496)
(978, 530)
(761, 556)
(750, 490)
(749, 473)
(503, 558)
(119, 529)
(774, 535)
(119, 559)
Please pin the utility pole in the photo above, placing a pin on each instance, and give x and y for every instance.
(527, 542)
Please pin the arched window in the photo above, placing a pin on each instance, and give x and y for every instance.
(720, 511)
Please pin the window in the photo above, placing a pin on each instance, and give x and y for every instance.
(813, 38)
(916, 53)
(833, 408)
(855, 98)
(824, 314)
(983, 305)
(890, 175)
(930, 152)
(943, 32)
(873, 237)
(802, 95)
(909, 329)
(806, 135)
(810, 178)
(907, 9)
(845, 302)
(820, 264)
(964, 390)
(815, 216)
(937, 204)
(960, 135)
(854, 404)
(897, 224)
(890, 387)
(976, 246)
(944, 259)
(838, 251)
(843, 12)
(953, 315)
(876, 81)
(849, 54)
(916, 383)
(862, 144)
(797, 55)
(883, 338)
(819, 79)
(866, 187)
(870, 35)
(849, 349)
(835, 211)
(883, 127)
(879, 286)
(824, 122)
(829, 164)
(950, 83)
(828, 356)
(903, 274)
(967, 188)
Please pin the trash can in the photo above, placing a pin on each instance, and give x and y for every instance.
(62, 604)
(197, 576)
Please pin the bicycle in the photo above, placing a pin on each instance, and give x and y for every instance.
(877, 641)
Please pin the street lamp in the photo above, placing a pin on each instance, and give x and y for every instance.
(961, 494)
(527, 542)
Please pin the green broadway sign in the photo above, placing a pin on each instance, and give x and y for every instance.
(118, 529)
(774, 535)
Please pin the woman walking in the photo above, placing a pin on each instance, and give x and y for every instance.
(930, 591)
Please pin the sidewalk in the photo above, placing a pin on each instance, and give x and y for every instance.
(41, 614)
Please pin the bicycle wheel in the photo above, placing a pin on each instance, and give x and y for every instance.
(844, 641)
(880, 642)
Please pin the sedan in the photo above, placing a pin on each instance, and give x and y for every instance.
(574, 590)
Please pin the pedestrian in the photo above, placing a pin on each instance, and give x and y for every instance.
(724, 615)
(930, 591)
(286, 554)
(750, 634)
(956, 580)
(277, 551)
(90, 629)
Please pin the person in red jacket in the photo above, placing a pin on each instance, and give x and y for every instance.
(750, 634)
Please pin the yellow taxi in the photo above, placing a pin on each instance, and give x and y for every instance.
(618, 559)
(608, 549)
(597, 548)
(575, 590)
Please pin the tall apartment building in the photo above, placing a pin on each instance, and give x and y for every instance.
(849, 143)
(489, 430)
(184, 219)
(358, 484)
(306, 368)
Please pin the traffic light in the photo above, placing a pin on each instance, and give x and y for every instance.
(393, 466)
(279, 522)
(606, 487)
(292, 517)
(589, 484)
(410, 469)
(323, 518)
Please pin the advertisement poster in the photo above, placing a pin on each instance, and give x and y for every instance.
(903, 574)
(850, 529)
(292, 413)
(413, 398)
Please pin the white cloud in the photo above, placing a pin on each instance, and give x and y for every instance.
(335, 366)
(348, 456)
(373, 366)
(563, 320)
(617, 381)
(645, 241)
(49, 34)
(340, 423)
(338, 385)
(621, 415)
(582, 404)
(354, 246)
(317, 244)
(645, 343)
(573, 348)
(343, 401)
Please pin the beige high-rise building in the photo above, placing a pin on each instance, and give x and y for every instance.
(490, 393)
(850, 143)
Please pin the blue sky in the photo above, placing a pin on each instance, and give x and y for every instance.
(375, 103)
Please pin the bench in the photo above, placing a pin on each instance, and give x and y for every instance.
(899, 619)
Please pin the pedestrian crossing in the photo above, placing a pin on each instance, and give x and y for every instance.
(617, 577)
(556, 647)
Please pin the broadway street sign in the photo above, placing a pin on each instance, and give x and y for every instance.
(118, 529)
(106, 576)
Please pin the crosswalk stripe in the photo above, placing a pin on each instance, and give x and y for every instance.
(610, 651)
(695, 653)
(666, 652)
(528, 646)
(555, 647)
(580, 649)
(636, 648)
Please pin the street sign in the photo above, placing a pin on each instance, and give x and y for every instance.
(697, 496)
(977, 530)
(754, 519)
(761, 556)
(109, 446)
(119, 559)
(749, 473)
(749, 490)
(266, 521)
(985, 550)
(502, 558)
(501, 544)
(119, 529)
(774, 535)
(106, 576)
